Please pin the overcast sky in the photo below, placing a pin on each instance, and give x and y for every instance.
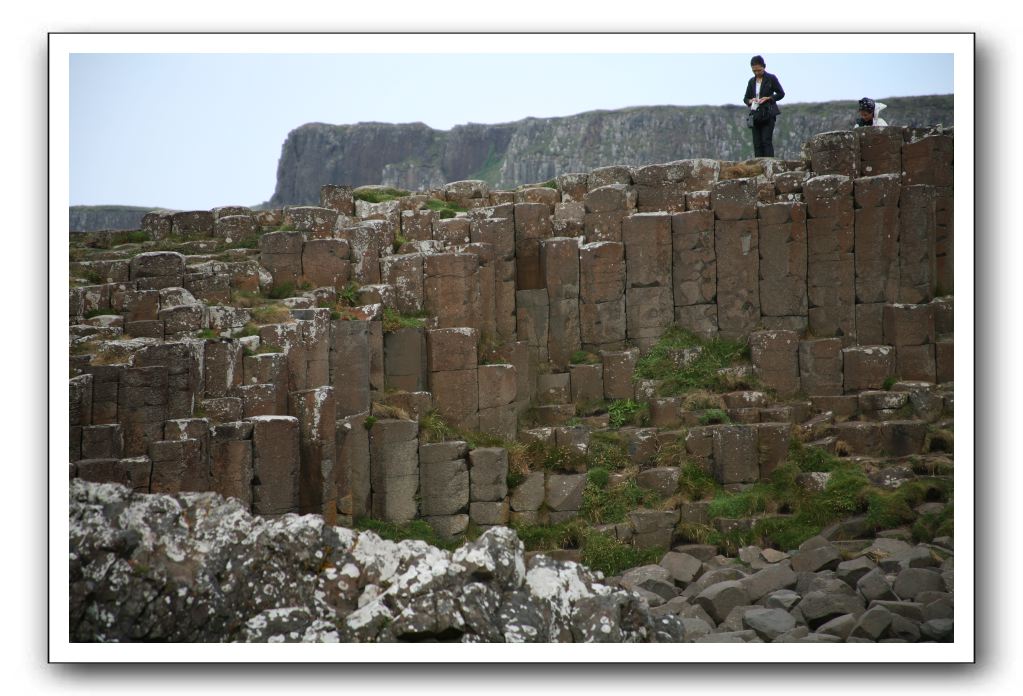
(197, 130)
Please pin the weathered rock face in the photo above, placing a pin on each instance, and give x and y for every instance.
(86, 218)
(415, 156)
(196, 567)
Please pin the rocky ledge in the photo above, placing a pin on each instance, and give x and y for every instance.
(197, 567)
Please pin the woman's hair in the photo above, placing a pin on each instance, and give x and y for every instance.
(758, 60)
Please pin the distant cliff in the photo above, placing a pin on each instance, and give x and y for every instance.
(87, 218)
(414, 156)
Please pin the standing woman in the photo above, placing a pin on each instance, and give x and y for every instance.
(764, 90)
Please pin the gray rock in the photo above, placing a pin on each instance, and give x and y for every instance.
(875, 586)
(730, 637)
(793, 636)
(652, 578)
(720, 598)
(873, 623)
(901, 627)
(711, 577)
(769, 623)
(912, 581)
(733, 622)
(818, 608)
(694, 628)
(782, 599)
(767, 580)
(914, 611)
(850, 572)
(682, 567)
(915, 557)
(942, 608)
(840, 626)
(938, 630)
(816, 557)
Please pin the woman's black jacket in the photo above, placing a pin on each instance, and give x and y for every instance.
(770, 87)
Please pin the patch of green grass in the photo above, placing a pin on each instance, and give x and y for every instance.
(714, 416)
(514, 479)
(208, 334)
(379, 195)
(550, 537)
(752, 501)
(129, 237)
(434, 428)
(394, 320)
(610, 504)
(251, 242)
(561, 459)
(416, 529)
(665, 362)
(845, 494)
(694, 483)
(624, 412)
(270, 314)
(92, 276)
(611, 557)
(694, 533)
(399, 241)
(550, 183)
(927, 527)
(445, 209)
(607, 450)
(889, 382)
(598, 476)
(812, 458)
(785, 532)
(893, 508)
(584, 357)
(102, 312)
(350, 295)
(287, 289)
(369, 422)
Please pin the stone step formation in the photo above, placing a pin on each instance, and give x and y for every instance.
(673, 373)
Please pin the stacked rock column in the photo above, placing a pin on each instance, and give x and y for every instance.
(737, 250)
(649, 303)
(877, 251)
(929, 161)
(559, 264)
(694, 272)
(831, 265)
(783, 301)
(602, 296)
(452, 360)
(394, 469)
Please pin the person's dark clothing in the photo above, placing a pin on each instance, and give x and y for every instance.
(763, 134)
(763, 138)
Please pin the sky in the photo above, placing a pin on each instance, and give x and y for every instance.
(197, 130)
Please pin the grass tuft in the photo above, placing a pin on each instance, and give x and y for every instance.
(684, 362)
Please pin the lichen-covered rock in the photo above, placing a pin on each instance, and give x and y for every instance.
(195, 567)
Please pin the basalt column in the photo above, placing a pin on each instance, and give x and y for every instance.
(783, 301)
(831, 265)
(877, 251)
(559, 263)
(694, 272)
(737, 249)
(649, 303)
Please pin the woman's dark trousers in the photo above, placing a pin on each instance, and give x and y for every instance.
(763, 138)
